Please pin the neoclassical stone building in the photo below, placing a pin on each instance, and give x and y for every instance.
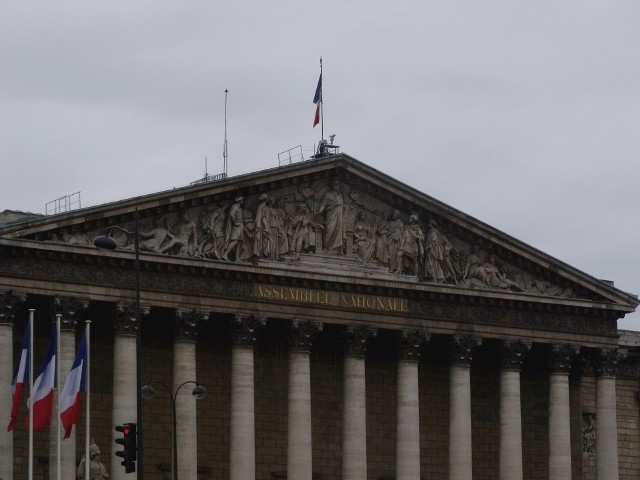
(344, 324)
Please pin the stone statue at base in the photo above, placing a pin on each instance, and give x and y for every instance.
(97, 470)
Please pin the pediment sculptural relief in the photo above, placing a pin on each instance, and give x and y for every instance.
(328, 219)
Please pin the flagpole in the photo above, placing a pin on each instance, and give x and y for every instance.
(57, 384)
(87, 456)
(321, 103)
(31, 312)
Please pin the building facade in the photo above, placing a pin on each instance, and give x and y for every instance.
(345, 326)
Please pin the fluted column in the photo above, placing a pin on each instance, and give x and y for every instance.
(299, 459)
(184, 372)
(243, 432)
(560, 412)
(408, 408)
(8, 307)
(125, 387)
(69, 310)
(460, 457)
(354, 424)
(606, 418)
(513, 352)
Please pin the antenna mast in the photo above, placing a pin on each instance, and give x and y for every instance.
(225, 152)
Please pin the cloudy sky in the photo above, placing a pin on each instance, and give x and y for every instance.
(525, 115)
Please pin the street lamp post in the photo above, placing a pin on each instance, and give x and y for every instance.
(199, 392)
(108, 242)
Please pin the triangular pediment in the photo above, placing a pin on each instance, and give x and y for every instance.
(330, 217)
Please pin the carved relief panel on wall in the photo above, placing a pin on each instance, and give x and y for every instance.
(330, 219)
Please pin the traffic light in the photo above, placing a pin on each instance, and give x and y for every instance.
(130, 446)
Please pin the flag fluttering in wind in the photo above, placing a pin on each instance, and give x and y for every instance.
(21, 377)
(317, 99)
(43, 387)
(69, 403)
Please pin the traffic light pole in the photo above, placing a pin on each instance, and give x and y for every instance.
(140, 442)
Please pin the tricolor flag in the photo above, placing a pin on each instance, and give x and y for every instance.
(317, 99)
(69, 402)
(45, 383)
(21, 377)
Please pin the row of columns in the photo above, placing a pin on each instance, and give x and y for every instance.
(354, 448)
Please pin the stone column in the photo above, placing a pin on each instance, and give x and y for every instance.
(125, 386)
(408, 416)
(354, 424)
(299, 463)
(8, 307)
(69, 309)
(513, 352)
(607, 426)
(460, 458)
(243, 432)
(184, 376)
(560, 412)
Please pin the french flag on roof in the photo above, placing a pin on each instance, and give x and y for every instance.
(20, 378)
(43, 387)
(76, 383)
(317, 99)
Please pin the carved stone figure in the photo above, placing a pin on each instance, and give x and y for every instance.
(279, 224)
(262, 234)
(185, 237)
(589, 434)
(497, 278)
(451, 259)
(334, 239)
(97, 470)
(234, 230)
(248, 236)
(156, 237)
(411, 249)
(474, 272)
(302, 232)
(396, 228)
(213, 225)
(434, 254)
(363, 243)
(381, 235)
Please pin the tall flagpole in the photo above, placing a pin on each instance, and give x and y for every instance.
(87, 433)
(31, 312)
(321, 103)
(57, 390)
(225, 152)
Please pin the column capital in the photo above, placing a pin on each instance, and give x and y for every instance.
(9, 304)
(70, 310)
(356, 338)
(125, 318)
(608, 361)
(561, 356)
(244, 328)
(186, 321)
(461, 348)
(300, 334)
(512, 353)
(410, 342)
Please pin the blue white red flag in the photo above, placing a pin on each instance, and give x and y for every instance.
(43, 387)
(317, 99)
(69, 402)
(20, 378)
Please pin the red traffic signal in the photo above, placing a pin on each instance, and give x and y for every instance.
(129, 443)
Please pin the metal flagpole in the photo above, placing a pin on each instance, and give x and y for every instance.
(87, 456)
(225, 151)
(57, 390)
(321, 102)
(31, 312)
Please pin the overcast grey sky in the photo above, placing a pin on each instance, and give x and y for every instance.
(525, 115)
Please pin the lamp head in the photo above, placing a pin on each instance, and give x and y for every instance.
(147, 391)
(105, 241)
(199, 392)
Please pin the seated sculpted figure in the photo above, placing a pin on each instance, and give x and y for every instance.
(97, 470)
